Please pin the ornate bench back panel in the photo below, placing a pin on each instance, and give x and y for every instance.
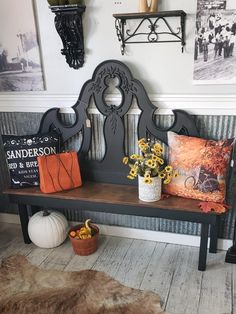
(110, 168)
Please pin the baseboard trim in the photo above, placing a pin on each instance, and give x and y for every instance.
(156, 236)
(9, 218)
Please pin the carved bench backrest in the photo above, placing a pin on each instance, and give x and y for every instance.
(110, 168)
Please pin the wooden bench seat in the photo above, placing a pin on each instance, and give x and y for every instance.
(119, 199)
(115, 194)
(105, 181)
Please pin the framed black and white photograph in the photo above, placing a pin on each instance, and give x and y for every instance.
(215, 42)
(20, 63)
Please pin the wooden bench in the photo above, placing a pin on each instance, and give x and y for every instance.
(106, 187)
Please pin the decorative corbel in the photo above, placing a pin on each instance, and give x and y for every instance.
(68, 23)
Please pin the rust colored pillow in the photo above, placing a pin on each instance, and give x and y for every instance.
(202, 166)
(59, 172)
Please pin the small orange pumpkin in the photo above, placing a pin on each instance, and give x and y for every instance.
(73, 234)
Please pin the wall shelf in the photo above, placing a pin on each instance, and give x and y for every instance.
(68, 23)
(146, 28)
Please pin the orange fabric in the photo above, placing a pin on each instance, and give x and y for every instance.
(202, 167)
(59, 172)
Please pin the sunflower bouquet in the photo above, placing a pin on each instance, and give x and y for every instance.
(149, 163)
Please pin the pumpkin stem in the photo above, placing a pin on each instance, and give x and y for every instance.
(45, 212)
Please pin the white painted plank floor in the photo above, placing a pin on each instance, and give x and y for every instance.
(167, 269)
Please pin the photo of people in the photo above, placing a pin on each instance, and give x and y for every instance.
(215, 43)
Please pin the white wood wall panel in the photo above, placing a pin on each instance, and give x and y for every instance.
(194, 104)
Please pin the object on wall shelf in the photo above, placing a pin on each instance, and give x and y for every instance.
(146, 29)
(145, 7)
(68, 22)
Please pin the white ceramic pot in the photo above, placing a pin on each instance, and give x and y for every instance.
(48, 231)
(149, 192)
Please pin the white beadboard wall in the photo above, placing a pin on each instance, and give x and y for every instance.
(193, 104)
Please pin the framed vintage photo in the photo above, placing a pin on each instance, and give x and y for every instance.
(20, 63)
(215, 42)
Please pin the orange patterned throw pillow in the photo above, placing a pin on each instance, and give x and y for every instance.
(202, 166)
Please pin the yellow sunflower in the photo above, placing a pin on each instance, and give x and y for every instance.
(148, 180)
(149, 163)
(168, 168)
(130, 177)
(141, 141)
(133, 172)
(142, 147)
(158, 147)
(162, 175)
(153, 165)
(167, 181)
(125, 160)
(160, 160)
(175, 174)
(147, 175)
(154, 157)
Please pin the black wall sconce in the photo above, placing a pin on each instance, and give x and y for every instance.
(68, 23)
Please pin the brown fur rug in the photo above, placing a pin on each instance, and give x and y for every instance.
(25, 288)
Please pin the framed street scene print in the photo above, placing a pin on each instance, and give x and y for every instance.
(20, 63)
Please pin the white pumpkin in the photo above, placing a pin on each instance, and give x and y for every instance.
(48, 229)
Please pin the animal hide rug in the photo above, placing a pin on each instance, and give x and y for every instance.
(25, 288)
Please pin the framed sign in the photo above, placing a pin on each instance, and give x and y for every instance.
(20, 64)
(215, 42)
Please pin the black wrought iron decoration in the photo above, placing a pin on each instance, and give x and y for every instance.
(68, 22)
(147, 30)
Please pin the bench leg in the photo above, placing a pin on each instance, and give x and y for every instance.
(231, 253)
(34, 209)
(214, 236)
(24, 219)
(203, 247)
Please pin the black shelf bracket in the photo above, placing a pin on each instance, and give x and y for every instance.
(68, 23)
(147, 28)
